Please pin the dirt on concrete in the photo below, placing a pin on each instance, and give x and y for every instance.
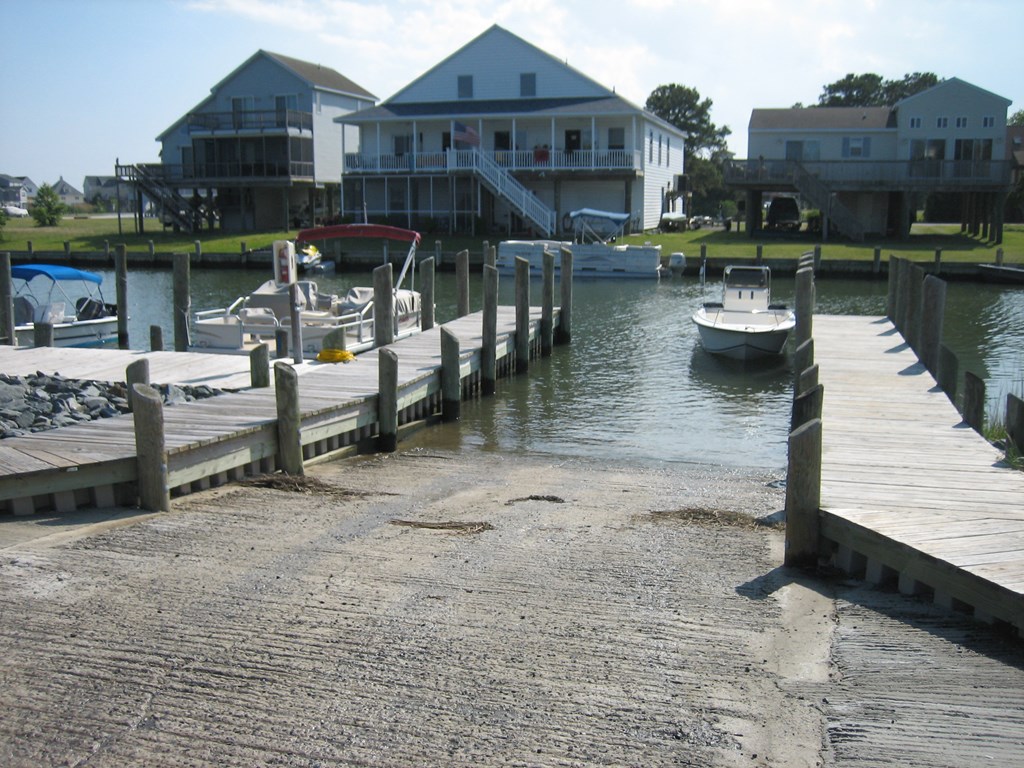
(437, 608)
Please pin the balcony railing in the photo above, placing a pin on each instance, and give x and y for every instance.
(232, 171)
(250, 120)
(867, 174)
(511, 160)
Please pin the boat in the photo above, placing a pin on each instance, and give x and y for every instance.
(594, 249)
(328, 321)
(744, 325)
(309, 259)
(70, 299)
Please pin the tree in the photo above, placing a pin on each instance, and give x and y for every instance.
(682, 107)
(48, 209)
(871, 90)
(1017, 118)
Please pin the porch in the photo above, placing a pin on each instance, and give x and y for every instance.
(539, 160)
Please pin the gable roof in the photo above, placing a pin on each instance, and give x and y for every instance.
(948, 82)
(822, 118)
(64, 188)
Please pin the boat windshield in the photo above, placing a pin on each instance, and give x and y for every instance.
(747, 277)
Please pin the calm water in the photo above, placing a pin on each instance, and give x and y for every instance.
(635, 384)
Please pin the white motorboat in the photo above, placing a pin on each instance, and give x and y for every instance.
(745, 325)
(594, 252)
(69, 299)
(327, 320)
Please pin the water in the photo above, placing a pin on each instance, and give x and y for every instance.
(635, 384)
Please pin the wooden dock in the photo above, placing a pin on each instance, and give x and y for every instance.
(220, 439)
(910, 495)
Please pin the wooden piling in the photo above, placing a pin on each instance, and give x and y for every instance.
(156, 338)
(804, 329)
(806, 380)
(522, 314)
(489, 343)
(289, 437)
(547, 312)
(565, 311)
(137, 372)
(933, 311)
(893, 284)
(426, 270)
(451, 376)
(462, 283)
(948, 372)
(7, 324)
(759, 259)
(803, 495)
(387, 400)
(912, 334)
(182, 301)
(807, 406)
(803, 358)
(383, 306)
(817, 258)
(295, 316)
(1015, 422)
(974, 401)
(281, 343)
(121, 282)
(150, 449)
(259, 366)
(42, 334)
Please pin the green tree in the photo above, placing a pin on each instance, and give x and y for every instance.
(871, 90)
(683, 107)
(48, 209)
(1017, 118)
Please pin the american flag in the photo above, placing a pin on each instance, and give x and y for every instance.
(466, 134)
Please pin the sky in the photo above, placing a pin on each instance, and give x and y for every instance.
(88, 82)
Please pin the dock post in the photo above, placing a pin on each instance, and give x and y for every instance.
(121, 281)
(807, 406)
(565, 311)
(150, 449)
(803, 358)
(42, 334)
(485, 253)
(974, 401)
(892, 285)
(383, 306)
(199, 251)
(913, 332)
(295, 316)
(182, 300)
(437, 252)
(948, 371)
(67, 251)
(259, 366)
(289, 436)
(492, 256)
(451, 376)
(817, 257)
(156, 338)
(462, 282)
(489, 343)
(7, 324)
(387, 400)
(903, 279)
(1015, 422)
(427, 294)
(760, 254)
(547, 312)
(522, 314)
(806, 380)
(137, 372)
(803, 495)
(938, 260)
(999, 257)
(281, 343)
(804, 305)
(933, 311)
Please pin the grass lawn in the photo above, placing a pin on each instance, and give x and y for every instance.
(91, 234)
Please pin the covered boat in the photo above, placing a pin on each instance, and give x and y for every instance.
(70, 299)
(745, 325)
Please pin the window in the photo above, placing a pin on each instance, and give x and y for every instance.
(650, 148)
(856, 146)
(942, 122)
(988, 122)
(659, 149)
(528, 84)
(616, 138)
(915, 122)
(241, 106)
(465, 86)
(668, 150)
(961, 122)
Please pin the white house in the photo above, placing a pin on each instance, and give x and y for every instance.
(503, 137)
(67, 193)
(863, 167)
(262, 151)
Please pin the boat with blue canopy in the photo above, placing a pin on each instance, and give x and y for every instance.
(69, 299)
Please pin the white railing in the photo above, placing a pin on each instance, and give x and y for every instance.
(510, 160)
(505, 185)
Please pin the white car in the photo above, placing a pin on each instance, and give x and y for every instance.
(15, 212)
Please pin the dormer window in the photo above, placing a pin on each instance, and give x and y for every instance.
(528, 84)
(465, 86)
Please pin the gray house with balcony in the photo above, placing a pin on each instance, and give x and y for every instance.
(865, 168)
(262, 151)
(504, 138)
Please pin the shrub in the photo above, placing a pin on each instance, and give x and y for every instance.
(48, 209)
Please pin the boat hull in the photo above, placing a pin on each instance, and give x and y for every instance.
(588, 260)
(81, 333)
(745, 338)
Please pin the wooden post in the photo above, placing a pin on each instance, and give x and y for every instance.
(383, 306)
(806, 380)
(492, 256)
(289, 423)
(137, 372)
(451, 376)
(760, 254)
(565, 311)
(913, 332)
(427, 294)
(803, 358)
(199, 251)
(893, 288)
(807, 406)
(7, 324)
(259, 366)
(803, 495)
(974, 401)
(182, 301)
(156, 338)
(804, 329)
(42, 334)
(817, 258)
(150, 450)
(295, 315)
(522, 314)
(703, 252)
(933, 312)
(486, 253)
(437, 252)
(948, 371)
(547, 312)
(462, 282)
(67, 251)
(387, 400)
(1015, 422)
(121, 281)
(903, 298)
(489, 343)
(876, 263)
(938, 260)
(281, 343)
(999, 257)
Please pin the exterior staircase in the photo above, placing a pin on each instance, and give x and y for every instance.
(819, 195)
(148, 177)
(507, 187)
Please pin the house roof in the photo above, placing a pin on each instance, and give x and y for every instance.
(823, 118)
(951, 81)
(64, 188)
(320, 76)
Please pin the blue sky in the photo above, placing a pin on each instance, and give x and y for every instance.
(89, 81)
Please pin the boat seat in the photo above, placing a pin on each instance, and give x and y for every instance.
(24, 310)
(88, 308)
(50, 313)
(258, 317)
